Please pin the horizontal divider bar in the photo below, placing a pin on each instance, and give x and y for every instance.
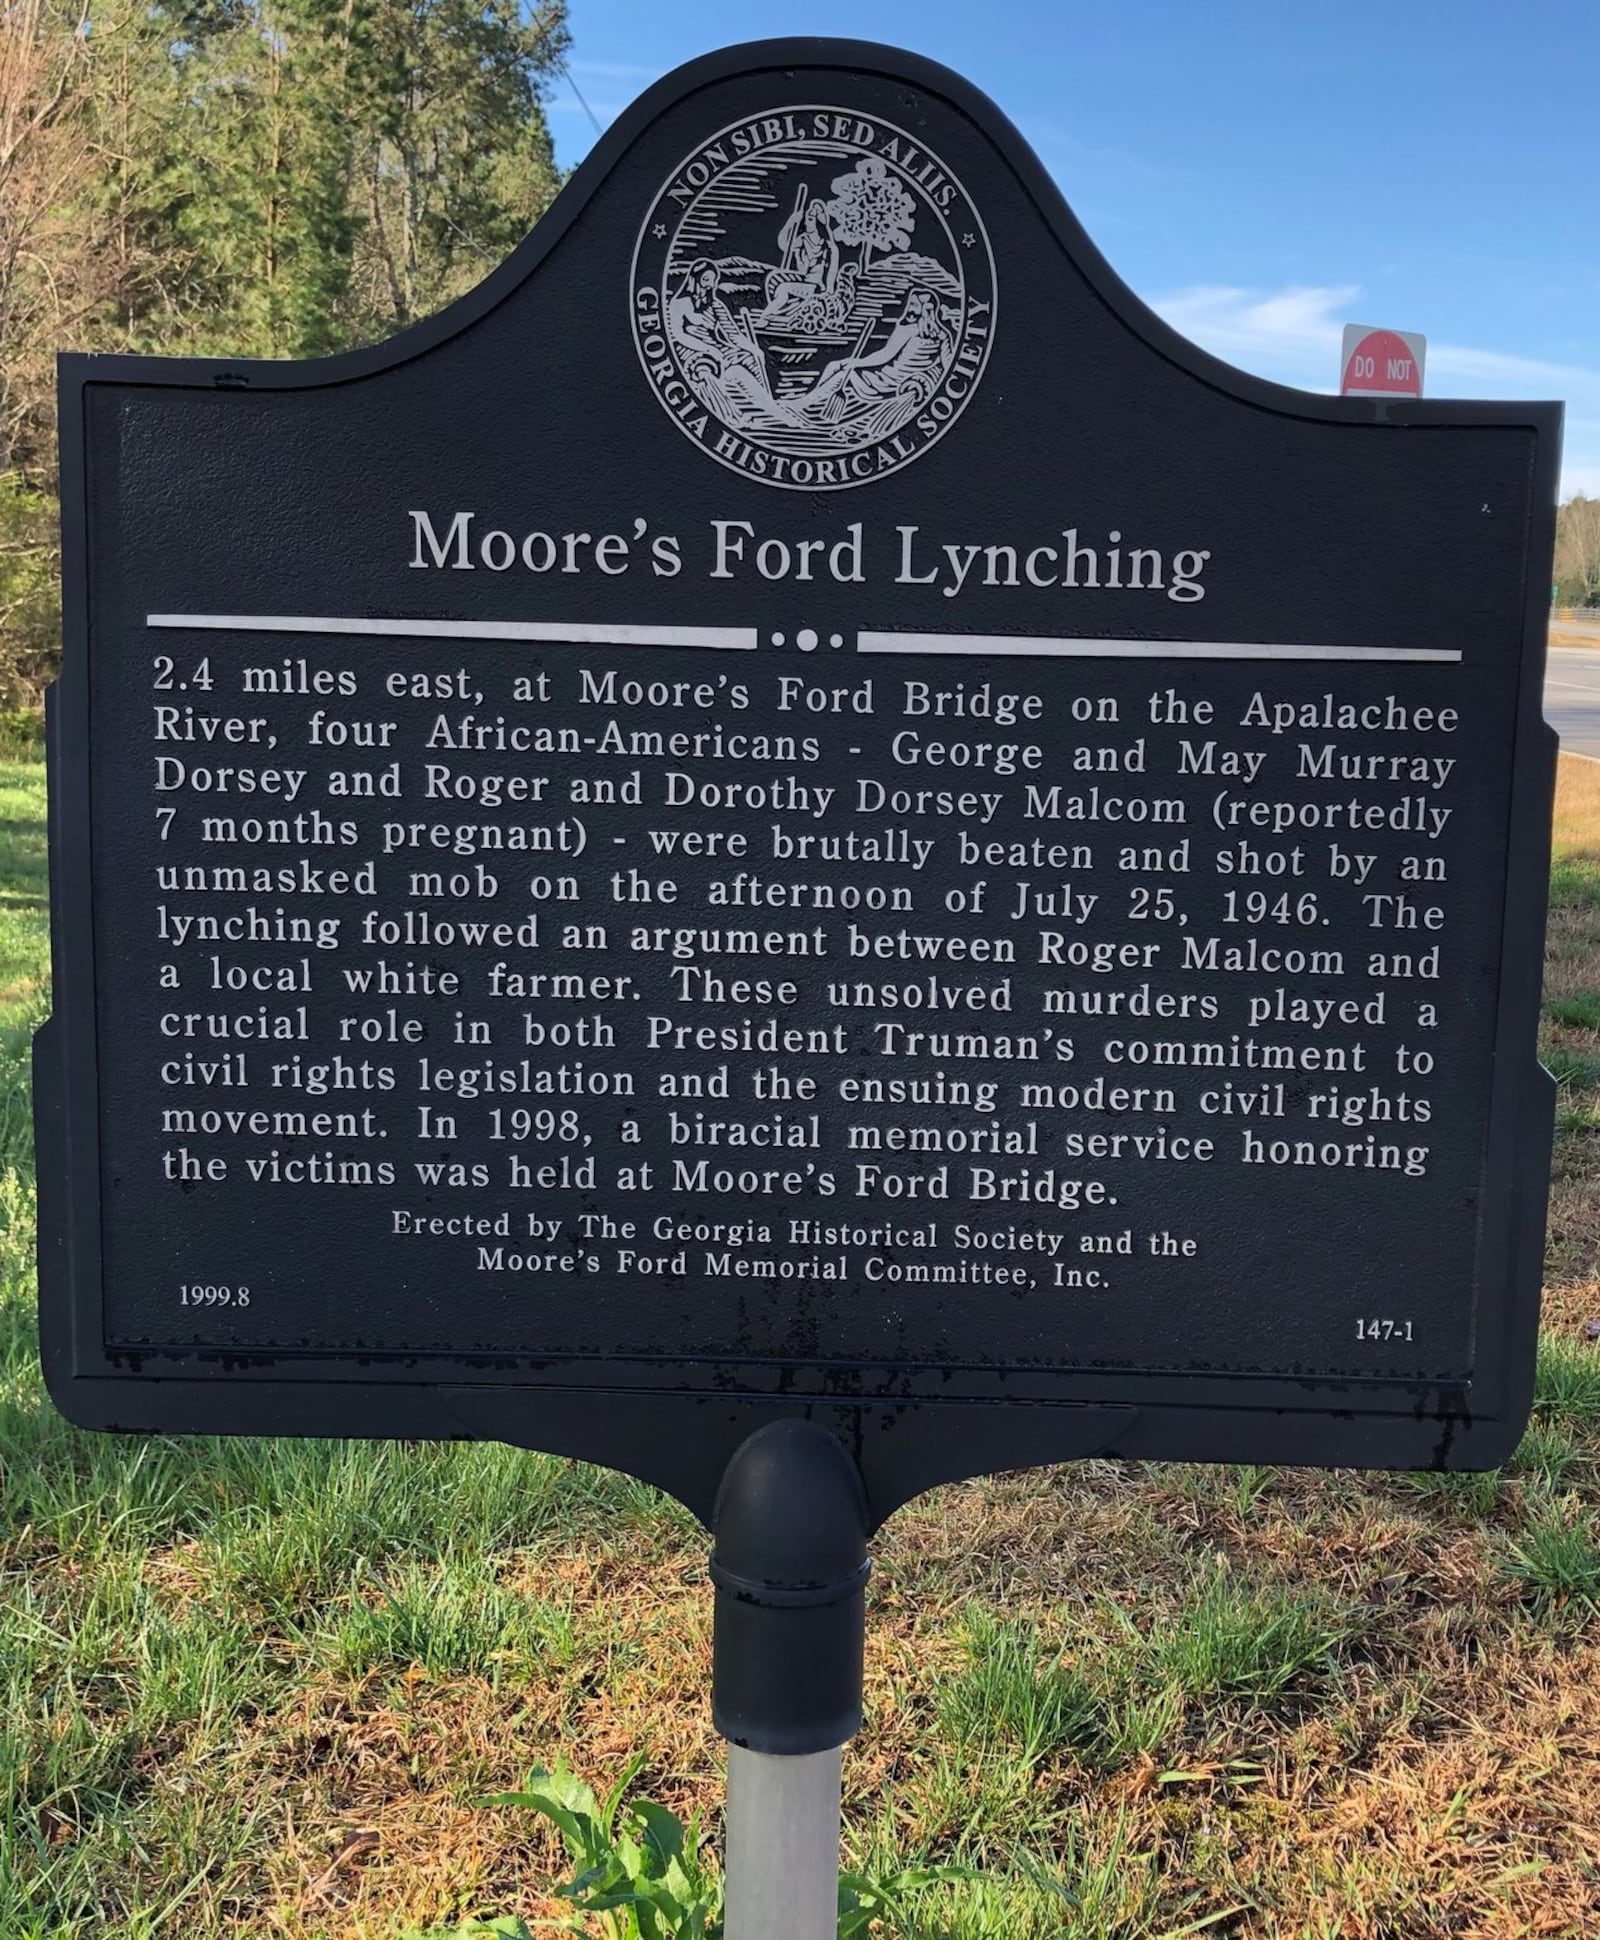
(575, 633)
(1013, 643)
(744, 639)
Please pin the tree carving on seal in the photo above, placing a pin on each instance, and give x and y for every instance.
(813, 297)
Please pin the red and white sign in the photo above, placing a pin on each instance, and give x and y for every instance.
(1381, 363)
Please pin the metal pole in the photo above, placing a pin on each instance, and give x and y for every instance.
(783, 1846)
(790, 1569)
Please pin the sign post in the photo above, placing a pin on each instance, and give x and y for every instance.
(790, 1570)
(796, 851)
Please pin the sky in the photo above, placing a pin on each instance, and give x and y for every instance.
(1263, 172)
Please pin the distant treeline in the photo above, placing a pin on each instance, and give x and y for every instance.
(1577, 567)
(248, 178)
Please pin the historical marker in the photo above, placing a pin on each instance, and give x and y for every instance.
(797, 809)
(1381, 363)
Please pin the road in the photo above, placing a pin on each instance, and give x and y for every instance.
(1572, 697)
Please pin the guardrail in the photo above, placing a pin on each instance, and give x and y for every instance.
(1589, 613)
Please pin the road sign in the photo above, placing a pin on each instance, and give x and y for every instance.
(1381, 363)
(796, 808)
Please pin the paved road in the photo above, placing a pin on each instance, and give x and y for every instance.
(1572, 697)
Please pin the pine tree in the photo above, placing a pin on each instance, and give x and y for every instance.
(457, 164)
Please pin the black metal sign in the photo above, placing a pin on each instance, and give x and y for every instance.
(796, 808)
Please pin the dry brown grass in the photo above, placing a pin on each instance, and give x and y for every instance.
(1449, 1785)
(1575, 829)
(1571, 1042)
(1446, 1787)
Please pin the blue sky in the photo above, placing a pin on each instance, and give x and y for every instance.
(1264, 171)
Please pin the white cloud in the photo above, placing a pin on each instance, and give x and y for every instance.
(1293, 336)
(1296, 329)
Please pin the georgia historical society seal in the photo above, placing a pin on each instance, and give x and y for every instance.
(813, 297)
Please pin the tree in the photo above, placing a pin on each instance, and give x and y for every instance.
(457, 162)
(1577, 563)
(247, 205)
(53, 279)
(275, 178)
(51, 275)
(871, 208)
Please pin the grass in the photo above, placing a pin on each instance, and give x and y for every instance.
(253, 1689)
(1574, 882)
(1242, 1639)
(1557, 1563)
(1577, 1013)
(1568, 1381)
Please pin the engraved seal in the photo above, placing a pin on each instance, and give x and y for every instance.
(813, 297)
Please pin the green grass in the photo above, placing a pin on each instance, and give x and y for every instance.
(24, 952)
(1241, 1638)
(1557, 1563)
(253, 1688)
(1572, 1068)
(1568, 1379)
(1574, 882)
(1580, 1012)
(1549, 1454)
(1469, 1492)
(158, 1597)
(1014, 1694)
(450, 1619)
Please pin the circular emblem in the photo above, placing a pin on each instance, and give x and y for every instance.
(813, 298)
